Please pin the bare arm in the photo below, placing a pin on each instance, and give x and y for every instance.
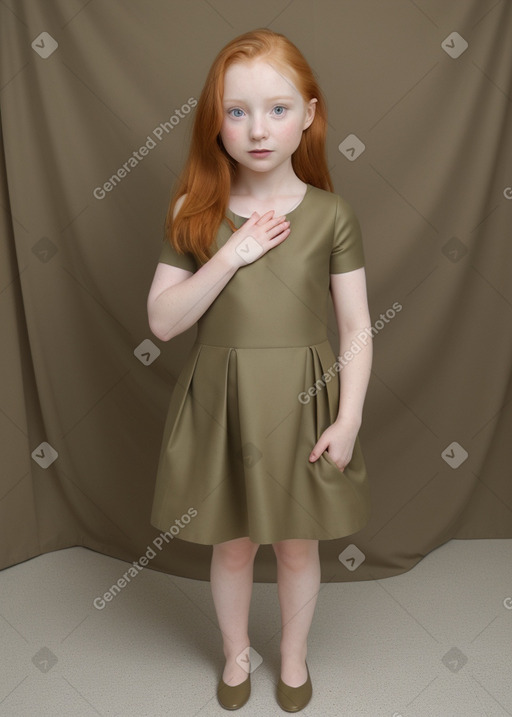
(348, 292)
(178, 298)
(350, 302)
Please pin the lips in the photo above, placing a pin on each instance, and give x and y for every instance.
(260, 151)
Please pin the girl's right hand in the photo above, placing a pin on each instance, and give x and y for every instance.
(255, 237)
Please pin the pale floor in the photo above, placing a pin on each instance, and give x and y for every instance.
(435, 641)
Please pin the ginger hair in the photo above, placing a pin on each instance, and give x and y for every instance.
(209, 170)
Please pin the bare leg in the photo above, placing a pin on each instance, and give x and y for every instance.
(231, 577)
(298, 578)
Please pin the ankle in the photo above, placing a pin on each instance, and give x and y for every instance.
(232, 653)
(295, 653)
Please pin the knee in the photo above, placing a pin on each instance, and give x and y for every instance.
(296, 554)
(236, 554)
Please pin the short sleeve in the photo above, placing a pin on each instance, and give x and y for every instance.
(347, 251)
(169, 255)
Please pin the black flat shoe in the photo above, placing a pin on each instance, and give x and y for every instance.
(232, 698)
(293, 699)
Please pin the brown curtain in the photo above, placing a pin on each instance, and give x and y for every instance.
(97, 101)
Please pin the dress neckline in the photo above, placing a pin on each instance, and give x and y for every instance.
(298, 206)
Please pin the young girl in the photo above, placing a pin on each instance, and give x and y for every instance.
(260, 445)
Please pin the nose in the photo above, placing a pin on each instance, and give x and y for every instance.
(258, 128)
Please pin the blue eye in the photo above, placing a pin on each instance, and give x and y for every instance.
(236, 109)
(280, 107)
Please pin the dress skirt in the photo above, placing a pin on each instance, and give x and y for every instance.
(234, 459)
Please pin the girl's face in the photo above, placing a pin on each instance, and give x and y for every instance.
(262, 110)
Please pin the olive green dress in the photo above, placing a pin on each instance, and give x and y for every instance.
(250, 402)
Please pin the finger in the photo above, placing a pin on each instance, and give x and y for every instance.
(278, 238)
(278, 229)
(267, 214)
(277, 220)
(252, 220)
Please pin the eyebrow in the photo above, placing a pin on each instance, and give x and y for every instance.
(271, 99)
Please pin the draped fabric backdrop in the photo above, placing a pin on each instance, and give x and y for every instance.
(97, 103)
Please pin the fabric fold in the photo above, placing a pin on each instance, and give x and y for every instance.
(240, 427)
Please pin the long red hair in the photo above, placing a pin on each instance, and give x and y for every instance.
(207, 175)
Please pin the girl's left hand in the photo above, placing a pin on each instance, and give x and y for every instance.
(340, 440)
